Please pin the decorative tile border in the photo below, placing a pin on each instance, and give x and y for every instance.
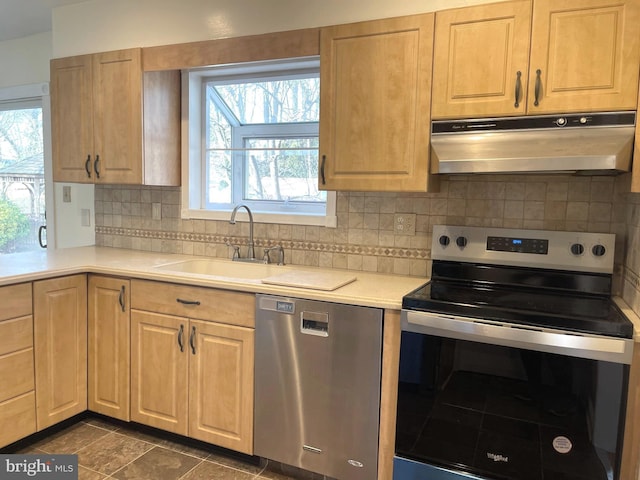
(378, 251)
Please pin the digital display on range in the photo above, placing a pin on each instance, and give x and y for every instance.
(518, 245)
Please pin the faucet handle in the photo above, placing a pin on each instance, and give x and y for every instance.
(236, 250)
(267, 258)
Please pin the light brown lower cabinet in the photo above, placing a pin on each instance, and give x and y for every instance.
(159, 367)
(60, 333)
(17, 383)
(109, 332)
(189, 375)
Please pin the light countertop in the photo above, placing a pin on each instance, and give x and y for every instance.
(631, 315)
(369, 289)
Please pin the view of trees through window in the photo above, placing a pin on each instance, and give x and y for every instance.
(262, 141)
(22, 195)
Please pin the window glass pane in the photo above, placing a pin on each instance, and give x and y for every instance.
(284, 169)
(218, 127)
(219, 186)
(277, 101)
(22, 192)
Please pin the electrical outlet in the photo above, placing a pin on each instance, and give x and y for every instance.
(66, 194)
(404, 223)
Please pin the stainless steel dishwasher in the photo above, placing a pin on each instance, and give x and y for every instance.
(317, 386)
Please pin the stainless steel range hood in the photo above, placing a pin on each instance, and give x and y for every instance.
(593, 144)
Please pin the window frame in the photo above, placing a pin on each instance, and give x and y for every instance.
(194, 143)
(30, 96)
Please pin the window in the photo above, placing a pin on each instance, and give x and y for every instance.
(253, 139)
(22, 170)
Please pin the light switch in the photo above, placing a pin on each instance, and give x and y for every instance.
(66, 194)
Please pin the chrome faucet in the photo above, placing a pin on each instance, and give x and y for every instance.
(250, 252)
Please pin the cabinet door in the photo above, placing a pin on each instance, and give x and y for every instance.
(375, 104)
(221, 385)
(481, 59)
(584, 55)
(117, 99)
(159, 371)
(72, 119)
(109, 340)
(60, 333)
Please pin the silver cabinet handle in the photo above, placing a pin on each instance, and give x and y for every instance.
(538, 88)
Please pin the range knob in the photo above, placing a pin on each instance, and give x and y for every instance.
(444, 240)
(577, 249)
(461, 242)
(598, 250)
(561, 122)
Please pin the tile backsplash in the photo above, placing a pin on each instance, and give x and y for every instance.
(364, 238)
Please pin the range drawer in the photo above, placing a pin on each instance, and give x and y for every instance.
(223, 306)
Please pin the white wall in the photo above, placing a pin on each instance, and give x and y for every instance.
(100, 25)
(69, 231)
(25, 61)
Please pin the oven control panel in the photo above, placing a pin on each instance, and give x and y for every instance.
(520, 245)
(579, 251)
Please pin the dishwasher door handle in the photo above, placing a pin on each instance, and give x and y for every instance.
(314, 323)
(311, 449)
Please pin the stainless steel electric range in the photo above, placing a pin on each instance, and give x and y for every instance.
(514, 360)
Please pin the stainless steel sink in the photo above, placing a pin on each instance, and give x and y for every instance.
(223, 268)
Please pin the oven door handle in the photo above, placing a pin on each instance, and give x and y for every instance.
(610, 349)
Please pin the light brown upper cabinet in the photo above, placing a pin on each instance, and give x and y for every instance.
(549, 56)
(375, 84)
(113, 124)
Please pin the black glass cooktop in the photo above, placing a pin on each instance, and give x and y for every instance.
(534, 304)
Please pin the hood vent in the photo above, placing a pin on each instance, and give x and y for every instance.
(589, 144)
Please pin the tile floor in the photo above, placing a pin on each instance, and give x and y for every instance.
(112, 451)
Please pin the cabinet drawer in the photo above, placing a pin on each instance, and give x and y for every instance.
(15, 301)
(17, 418)
(16, 374)
(235, 308)
(16, 334)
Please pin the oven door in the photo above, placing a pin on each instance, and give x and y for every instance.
(484, 400)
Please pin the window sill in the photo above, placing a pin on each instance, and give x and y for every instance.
(258, 217)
